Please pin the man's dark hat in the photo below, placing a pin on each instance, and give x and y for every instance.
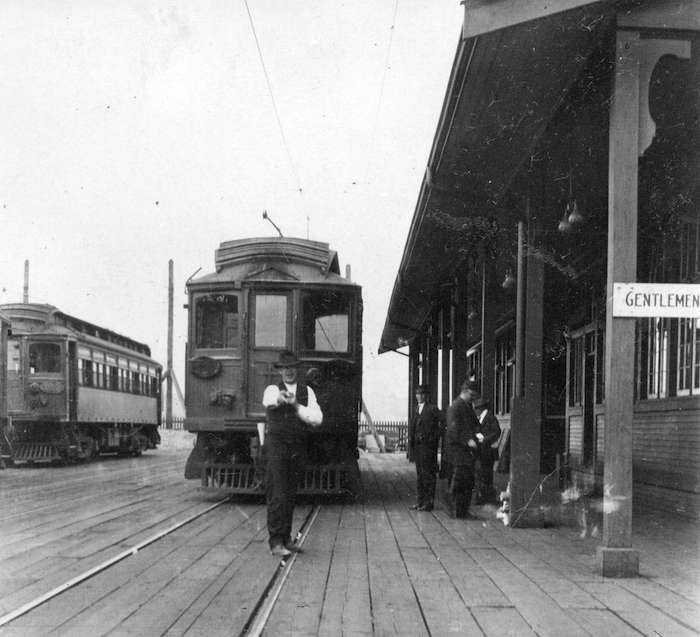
(287, 359)
(471, 385)
(423, 389)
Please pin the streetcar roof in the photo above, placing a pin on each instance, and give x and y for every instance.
(280, 259)
(46, 318)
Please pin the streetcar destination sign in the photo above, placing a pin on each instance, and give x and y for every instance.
(680, 300)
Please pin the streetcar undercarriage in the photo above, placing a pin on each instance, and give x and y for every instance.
(46, 442)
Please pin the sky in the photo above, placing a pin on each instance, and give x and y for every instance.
(138, 131)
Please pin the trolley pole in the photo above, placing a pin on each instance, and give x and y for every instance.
(169, 372)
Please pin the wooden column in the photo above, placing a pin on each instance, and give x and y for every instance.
(413, 371)
(433, 341)
(616, 558)
(445, 344)
(526, 420)
(459, 331)
(488, 336)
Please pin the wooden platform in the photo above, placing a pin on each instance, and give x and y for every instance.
(371, 567)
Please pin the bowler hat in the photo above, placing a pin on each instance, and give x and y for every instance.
(287, 359)
(471, 385)
(422, 389)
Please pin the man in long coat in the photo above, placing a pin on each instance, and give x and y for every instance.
(487, 453)
(423, 436)
(461, 435)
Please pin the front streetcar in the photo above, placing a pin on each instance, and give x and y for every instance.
(269, 295)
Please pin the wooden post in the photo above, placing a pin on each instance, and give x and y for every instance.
(526, 422)
(169, 372)
(459, 337)
(445, 340)
(488, 337)
(616, 558)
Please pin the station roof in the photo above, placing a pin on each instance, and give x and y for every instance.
(514, 64)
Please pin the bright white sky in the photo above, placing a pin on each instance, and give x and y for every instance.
(137, 131)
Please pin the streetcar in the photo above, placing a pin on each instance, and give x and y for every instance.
(267, 295)
(75, 390)
(4, 335)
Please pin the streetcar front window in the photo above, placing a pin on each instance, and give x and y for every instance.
(44, 358)
(217, 321)
(326, 322)
(270, 320)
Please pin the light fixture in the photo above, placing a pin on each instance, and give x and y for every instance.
(574, 215)
(564, 225)
(509, 280)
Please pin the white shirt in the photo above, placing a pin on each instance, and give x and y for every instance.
(310, 413)
(420, 407)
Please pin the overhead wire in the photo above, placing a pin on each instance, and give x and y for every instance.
(272, 98)
(382, 84)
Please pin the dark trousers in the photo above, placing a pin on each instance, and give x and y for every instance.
(461, 486)
(484, 476)
(426, 468)
(284, 463)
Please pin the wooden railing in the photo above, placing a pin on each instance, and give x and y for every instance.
(395, 433)
(178, 424)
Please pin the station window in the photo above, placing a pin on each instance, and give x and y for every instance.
(505, 368)
(270, 320)
(326, 322)
(576, 371)
(44, 358)
(688, 373)
(474, 363)
(216, 319)
(655, 353)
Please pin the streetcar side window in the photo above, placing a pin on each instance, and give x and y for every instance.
(270, 320)
(326, 322)
(44, 358)
(13, 356)
(86, 372)
(217, 324)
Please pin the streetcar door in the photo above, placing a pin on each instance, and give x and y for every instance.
(270, 331)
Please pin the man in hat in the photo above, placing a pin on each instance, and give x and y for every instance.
(290, 407)
(423, 435)
(487, 437)
(461, 435)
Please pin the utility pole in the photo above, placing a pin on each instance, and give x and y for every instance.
(169, 371)
(25, 296)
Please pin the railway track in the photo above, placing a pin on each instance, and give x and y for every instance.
(261, 609)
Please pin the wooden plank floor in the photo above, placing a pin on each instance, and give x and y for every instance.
(370, 568)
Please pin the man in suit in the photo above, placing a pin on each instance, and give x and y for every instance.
(487, 436)
(462, 429)
(291, 408)
(423, 435)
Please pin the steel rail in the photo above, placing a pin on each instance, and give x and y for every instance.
(25, 608)
(261, 612)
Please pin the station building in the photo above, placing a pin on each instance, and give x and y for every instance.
(566, 161)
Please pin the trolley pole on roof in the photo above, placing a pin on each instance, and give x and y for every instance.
(169, 371)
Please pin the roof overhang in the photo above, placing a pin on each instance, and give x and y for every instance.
(505, 85)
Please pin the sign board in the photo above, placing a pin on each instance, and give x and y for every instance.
(635, 300)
